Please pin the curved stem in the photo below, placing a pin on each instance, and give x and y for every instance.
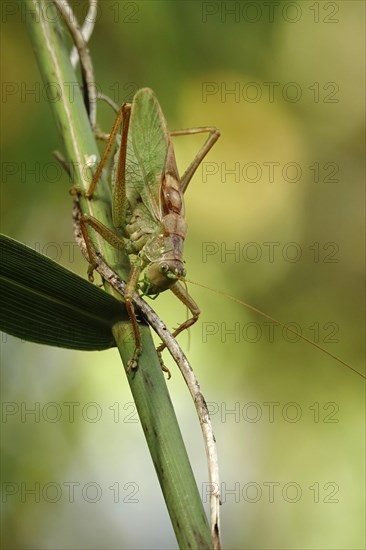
(147, 384)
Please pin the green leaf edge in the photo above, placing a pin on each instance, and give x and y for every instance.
(46, 303)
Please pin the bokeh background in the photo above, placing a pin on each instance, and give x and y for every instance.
(285, 85)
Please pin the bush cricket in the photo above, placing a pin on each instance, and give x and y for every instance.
(147, 205)
(148, 210)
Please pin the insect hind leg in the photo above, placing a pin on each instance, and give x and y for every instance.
(214, 135)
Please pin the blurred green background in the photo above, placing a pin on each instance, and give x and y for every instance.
(285, 85)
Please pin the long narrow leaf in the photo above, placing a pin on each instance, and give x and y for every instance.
(45, 303)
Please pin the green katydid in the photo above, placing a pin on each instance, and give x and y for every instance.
(148, 209)
(148, 205)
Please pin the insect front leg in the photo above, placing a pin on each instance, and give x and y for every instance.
(181, 293)
(131, 287)
(112, 238)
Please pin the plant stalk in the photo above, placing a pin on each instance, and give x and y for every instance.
(147, 383)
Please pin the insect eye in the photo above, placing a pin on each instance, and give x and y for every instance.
(164, 268)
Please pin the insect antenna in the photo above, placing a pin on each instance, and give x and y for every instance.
(263, 314)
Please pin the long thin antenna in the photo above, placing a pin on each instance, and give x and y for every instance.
(259, 312)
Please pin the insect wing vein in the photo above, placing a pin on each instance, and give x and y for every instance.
(146, 152)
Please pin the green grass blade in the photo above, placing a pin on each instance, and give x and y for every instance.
(147, 383)
(45, 303)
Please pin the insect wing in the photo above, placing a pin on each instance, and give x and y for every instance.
(147, 146)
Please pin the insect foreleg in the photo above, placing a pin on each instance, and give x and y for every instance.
(214, 135)
(112, 238)
(131, 287)
(181, 293)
